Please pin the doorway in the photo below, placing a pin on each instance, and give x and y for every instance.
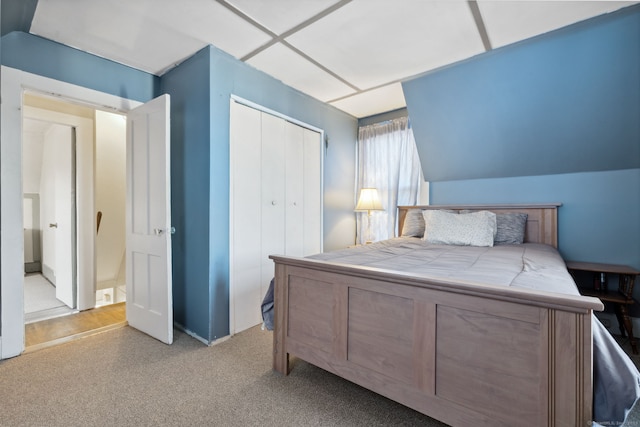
(53, 285)
(148, 133)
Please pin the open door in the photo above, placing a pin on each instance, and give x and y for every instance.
(148, 220)
(65, 224)
(57, 192)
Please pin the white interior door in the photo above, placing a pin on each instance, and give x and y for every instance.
(148, 220)
(245, 211)
(57, 191)
(275, 203)
(272, 180)
(294, 212)
(65, 204)
(312, 192)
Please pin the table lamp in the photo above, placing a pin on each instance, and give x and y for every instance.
(368, 200)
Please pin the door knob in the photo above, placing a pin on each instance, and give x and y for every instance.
(161, 231)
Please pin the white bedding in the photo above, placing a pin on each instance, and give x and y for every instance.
(530, 265)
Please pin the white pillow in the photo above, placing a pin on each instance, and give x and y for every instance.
(472, 229)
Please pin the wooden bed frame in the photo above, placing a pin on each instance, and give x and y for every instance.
(464, 353)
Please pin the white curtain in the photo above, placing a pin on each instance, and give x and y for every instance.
(387, 160)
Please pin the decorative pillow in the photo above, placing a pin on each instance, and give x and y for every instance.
(473, 229)
(495, 231)
(511, 228)
(413, 224)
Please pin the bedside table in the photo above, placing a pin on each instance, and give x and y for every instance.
(622, 297)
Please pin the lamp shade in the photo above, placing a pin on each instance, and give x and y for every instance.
(368, 200)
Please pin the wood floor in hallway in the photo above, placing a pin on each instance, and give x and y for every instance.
(62, 329)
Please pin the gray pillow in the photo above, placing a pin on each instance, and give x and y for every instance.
(473, 229)
(511, 228)
(413, 224)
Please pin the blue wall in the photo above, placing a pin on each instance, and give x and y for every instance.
(553, 119)
(188, 87)
(567, 101)
(599, 217)
(44, 57)
(200, 90)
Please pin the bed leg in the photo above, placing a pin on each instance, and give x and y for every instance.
(280, 357)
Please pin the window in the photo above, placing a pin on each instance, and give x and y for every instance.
(387, 160)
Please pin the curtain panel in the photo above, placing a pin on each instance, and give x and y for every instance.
(388, 161)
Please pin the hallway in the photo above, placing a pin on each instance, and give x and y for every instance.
(48, 321)
(46, 333)
(40, 302)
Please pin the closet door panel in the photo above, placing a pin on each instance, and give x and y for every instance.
(312, 192)
(275, 203)
(294, 212)
(245, 154)
(273, 198)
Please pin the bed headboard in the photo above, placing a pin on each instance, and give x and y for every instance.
(542, 220)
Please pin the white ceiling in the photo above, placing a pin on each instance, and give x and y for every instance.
(352, 54)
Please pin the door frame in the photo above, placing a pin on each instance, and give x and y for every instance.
(14, 84)
(233, 98)
(84, 148)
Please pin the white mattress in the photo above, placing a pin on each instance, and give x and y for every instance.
(530, 265)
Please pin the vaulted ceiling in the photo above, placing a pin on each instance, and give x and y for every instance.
(352, 54)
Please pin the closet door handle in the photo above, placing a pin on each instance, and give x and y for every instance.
(53, 225)
(273, 202)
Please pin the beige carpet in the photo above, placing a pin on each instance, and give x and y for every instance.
(125, 378)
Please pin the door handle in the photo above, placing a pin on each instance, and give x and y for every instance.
(161, 231)
(53, 225)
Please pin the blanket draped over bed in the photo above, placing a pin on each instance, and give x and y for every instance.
(530, 266)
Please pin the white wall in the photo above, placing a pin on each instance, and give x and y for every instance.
(32, 139)
(29, 231)
(423, 197)
(110, 197)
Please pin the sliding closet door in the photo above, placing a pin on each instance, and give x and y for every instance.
(275, 203)
(272, 188)
(245, 208)
(294, 212)
(312, 192)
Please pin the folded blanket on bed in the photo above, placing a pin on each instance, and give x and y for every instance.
(267, 308)
(616, 381)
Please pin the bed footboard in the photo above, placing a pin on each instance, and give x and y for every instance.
(465, 354)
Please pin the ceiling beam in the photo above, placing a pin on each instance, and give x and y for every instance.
(16, 15)
(482, 30)
(280, 38)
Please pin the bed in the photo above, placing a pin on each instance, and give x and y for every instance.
(468, 346)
